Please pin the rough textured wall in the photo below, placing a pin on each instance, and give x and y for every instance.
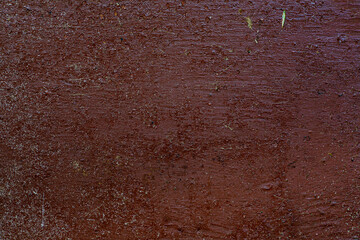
(179, 119)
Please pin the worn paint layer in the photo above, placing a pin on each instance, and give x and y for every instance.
(174, 120)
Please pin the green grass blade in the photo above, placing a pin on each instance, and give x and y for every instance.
(283, 19)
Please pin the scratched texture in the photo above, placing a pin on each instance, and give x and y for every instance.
(175, 120)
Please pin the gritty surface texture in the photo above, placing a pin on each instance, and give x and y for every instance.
(175, 120)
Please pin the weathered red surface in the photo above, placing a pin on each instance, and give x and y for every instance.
(175, 120)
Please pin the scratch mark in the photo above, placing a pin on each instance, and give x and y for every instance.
(43, 212)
